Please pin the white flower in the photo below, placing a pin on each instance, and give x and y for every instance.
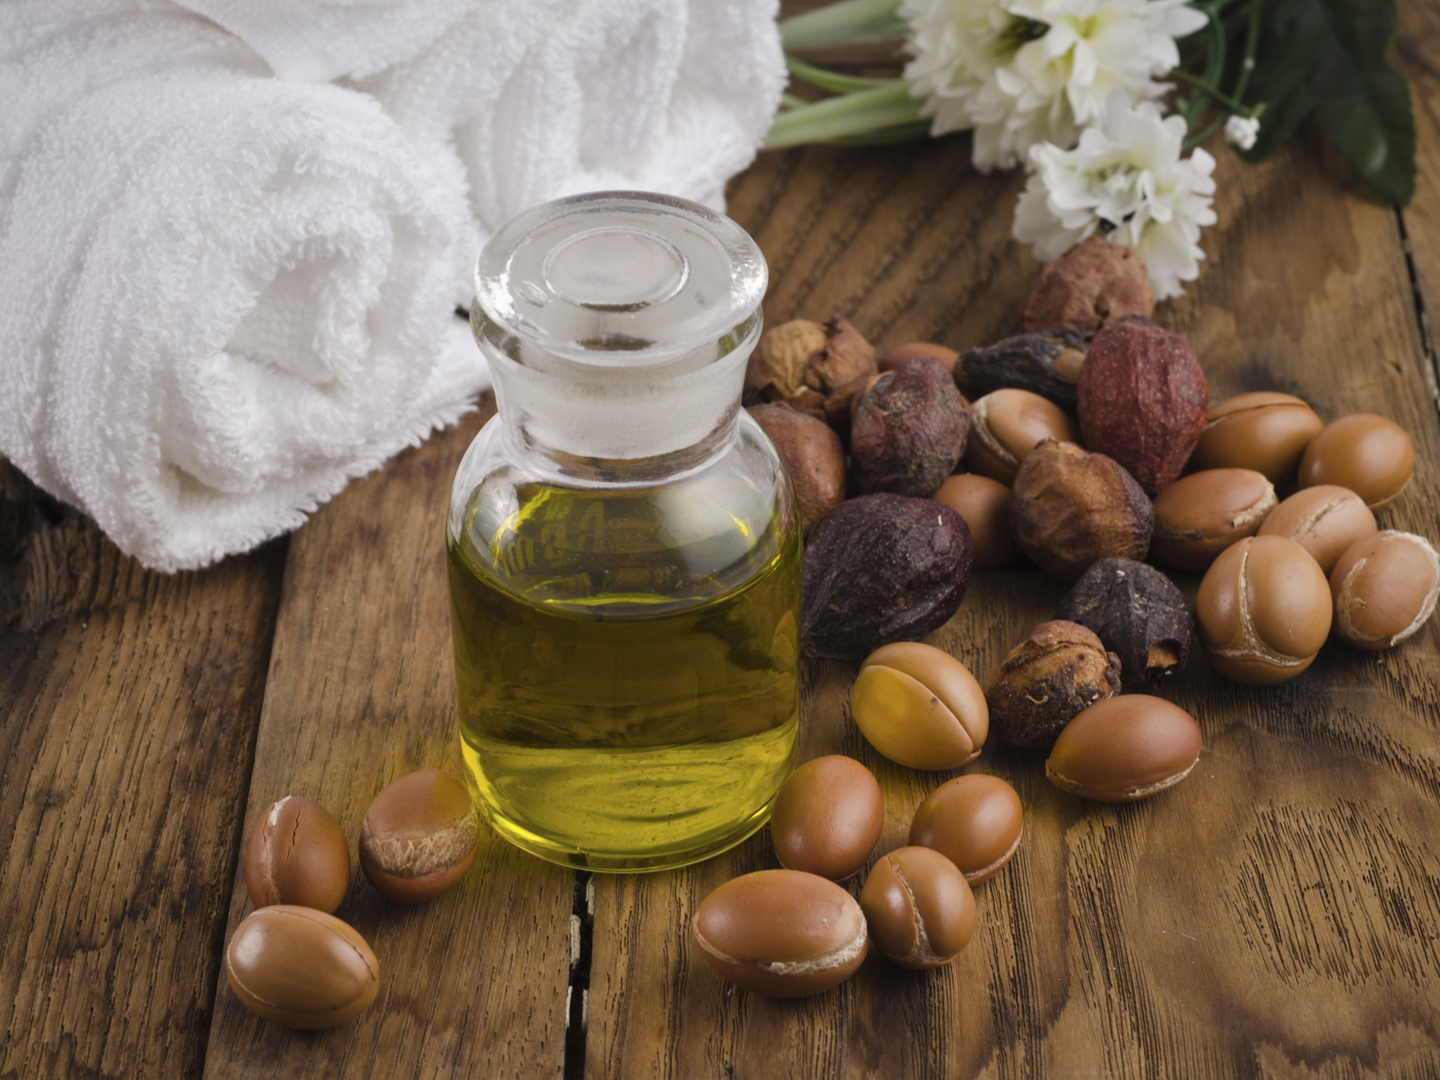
(1026, 71)
(1242, 131)
(1127, 182)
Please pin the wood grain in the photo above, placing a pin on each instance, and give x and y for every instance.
(360, 691)
(128, 707)
(1419, 59)
(1278, 913)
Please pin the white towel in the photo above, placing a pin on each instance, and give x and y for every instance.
(222, 295)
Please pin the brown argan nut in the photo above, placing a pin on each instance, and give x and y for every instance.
(1092, 283)
(985, 506)
(419, 836)
(909, 431)
(920, 909)
(1325, 520)
(1125, 748)
(781, 933)
(301, 968)
(845, 357)
(1368, 454)
(812, 455)
(1046, 363)
(1264, 610)
(919, 706)
(1058, 671)
(1070, 508)
(881, 568)
(1005, 425)
(1264, 431)
(297, 855)
(975, 821)
(780, 358)
(827, 817)
(1137, 612)
(1384, 589)
(898, 355)
(1142, 400)
(1200, 515)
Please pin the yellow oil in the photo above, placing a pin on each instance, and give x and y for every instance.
(627, 668)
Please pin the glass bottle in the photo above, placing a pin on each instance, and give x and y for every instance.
(623, 543)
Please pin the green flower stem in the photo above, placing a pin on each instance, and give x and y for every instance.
(860, 113)
(843, 23)
(897, 133)
(831, 80)
(790, 101)
(1252, 43)
(1229, 102)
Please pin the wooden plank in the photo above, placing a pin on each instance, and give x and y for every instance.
(1277, 914)
(1419, 59)
(128, 707)
(361, 690)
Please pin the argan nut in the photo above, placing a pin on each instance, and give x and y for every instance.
(1139, 615)
(920, 909)
(1058, 671)
(909, 431)
(919, 706)
(1047, 363)
(975, 821)
(780, 357)
(812, 455)
(781, 933)
(419, 836)
(1368, 454)
(1070, 508)
(297, 855)
(1092, 283)
(1200, 515)
(827, 817)
(1264, 610)
(1325, 520)
(1264, 431)
(1384, 589)
(1005, 425)
(845, 357)
(1143, 400)
(898, 355)
(985, 506)
(301, 968)
(1125, 748)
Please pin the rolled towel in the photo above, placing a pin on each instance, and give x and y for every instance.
(222, 295)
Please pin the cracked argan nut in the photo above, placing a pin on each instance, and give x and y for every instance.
(812, 455)
(1368, 454)
(919, 706)
(1070, 508)
(845, 357)
(781, 933)
(985, 506)
(1046, 363)
(297, 855)
(1264, 431)
(898, 355)
(827, 817)
(1060, 670)
(419, 836)
(1264, 610)
(919, 907)
(1384, 589)
(780, 358)
(909, 431)
(1137, 612)
(975, 821)
(1325, 520)
(1005, 425)
(1125, 748)
(301, 968)
(1092, 283)
(1143, 400)
(1200, 515)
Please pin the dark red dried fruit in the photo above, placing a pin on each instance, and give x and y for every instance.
(909, 430)
(1046, 680)
(1047, 363)
(1091, 284)
(1143, 400)
(1137, 612)
(879, 569)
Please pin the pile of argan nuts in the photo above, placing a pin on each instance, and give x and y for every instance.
(1090, 444)
(291, 961)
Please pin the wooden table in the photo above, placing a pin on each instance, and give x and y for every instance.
(1276, 915)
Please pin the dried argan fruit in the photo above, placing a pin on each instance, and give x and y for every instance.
(1088, 286)
(845, 357)
(780, 357)
(1137, 613)
(878, 569)
(812, 455)
(909, 431)
(1055, 673)
(1046, 363)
